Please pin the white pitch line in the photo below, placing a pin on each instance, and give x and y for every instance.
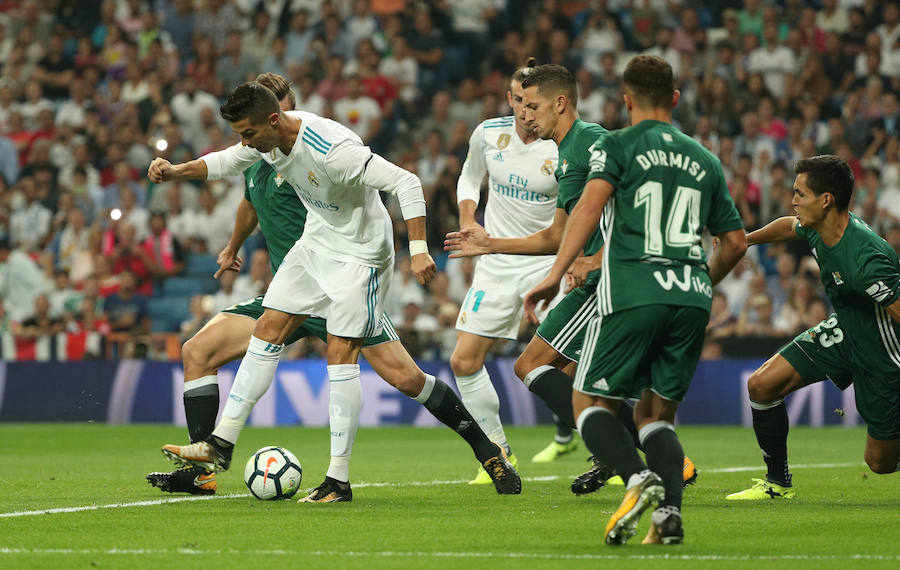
(363, 485)
(420, 554)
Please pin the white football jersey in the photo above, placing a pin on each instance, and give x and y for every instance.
(346, 220)
(521, 186)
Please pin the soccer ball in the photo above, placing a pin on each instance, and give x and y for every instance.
(273, 473)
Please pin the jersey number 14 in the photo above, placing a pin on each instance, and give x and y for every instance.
(682, 223)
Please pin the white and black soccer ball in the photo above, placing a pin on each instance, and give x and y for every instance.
(273, 473)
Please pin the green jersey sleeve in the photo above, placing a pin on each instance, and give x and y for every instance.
(879, 276)
(607, 160)
(723, 214)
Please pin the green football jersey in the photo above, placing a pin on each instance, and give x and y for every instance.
(667, 189)
(572, 172)
(861, 275)
(281, 214)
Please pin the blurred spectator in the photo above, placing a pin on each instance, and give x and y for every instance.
(21, 281)
(54, 70)
(756, 317)
(600, 36)
(41, 322)
(401, 68)
(127, 309)
(73, 238)
(333, 86)
(358, 111)
(179, 26)
(298, 37)
(163, 248)
(29, 225)
(307, 98)
(64, 300)
(466, 106)
(128, 256)
(181, 221)
(201, 313)
(779, 285)
(227, 295)
(234, 66)
(735, 286)
(790, 319)
(722, 322)
(255, 281)
(34, 103)
(426, 46)
(212, 222)
(188, 105)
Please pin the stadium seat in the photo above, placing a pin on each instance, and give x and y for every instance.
(200, 265)
(181, 286)
(167, 313)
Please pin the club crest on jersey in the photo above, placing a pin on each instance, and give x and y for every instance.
(547, 168)
(564, 165)
(462, 317)
(837, 278)
(279, 179)
(503, 141)
(312, 178)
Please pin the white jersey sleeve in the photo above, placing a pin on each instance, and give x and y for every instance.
(468, 187)
(230, 161)
(352, 164)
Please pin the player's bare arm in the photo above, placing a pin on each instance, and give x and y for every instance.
(894, 310)
(467, 214)
(421, 263)
(581, 225)
(732, 246)
(161, 170)
(473, 241)
(244, 224)
(779, 230)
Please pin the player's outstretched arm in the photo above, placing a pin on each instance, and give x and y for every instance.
(732, 247)
(244, 224)
(161, 170)
(473, 241)
(581, 225)
(782, 229)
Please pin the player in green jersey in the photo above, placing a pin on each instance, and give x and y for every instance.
(652, 190)
(272, 203)
(861, 275)
(548, 363)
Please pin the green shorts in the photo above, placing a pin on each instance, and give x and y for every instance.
(650, 346)
(565, 325)
(313, 326)
(819, 353)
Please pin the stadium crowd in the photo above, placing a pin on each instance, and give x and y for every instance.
(91, 92)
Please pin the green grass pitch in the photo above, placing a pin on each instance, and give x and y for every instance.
(411, 508)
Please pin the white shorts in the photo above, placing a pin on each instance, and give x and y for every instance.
(349, 296)
(494, 306)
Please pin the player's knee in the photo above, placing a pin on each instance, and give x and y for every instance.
(759, 389)
(464, 365)
(881, 463)
(195, 353)
(270, 327)
(523, 366)
(409, 382)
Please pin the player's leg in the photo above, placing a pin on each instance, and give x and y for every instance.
(223, 339)
(547, 365)
(878, 403)
(253, 378)
(475, 387)
(391, 361)
(810, 357)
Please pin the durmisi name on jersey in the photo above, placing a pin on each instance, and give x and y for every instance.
(517, 188)
(330, 206)
(655, 157)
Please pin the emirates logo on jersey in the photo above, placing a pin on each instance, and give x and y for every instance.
(503, 141)
(547, 168)
(311, 176)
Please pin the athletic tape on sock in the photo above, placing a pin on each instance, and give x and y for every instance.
(532, 376)
(196, 387)
(765, 406)
(645, 432)
(587, 412)
(427, 389)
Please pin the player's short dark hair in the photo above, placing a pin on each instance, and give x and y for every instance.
(524, 71)
(552, 79)
(277, 85)
(249, 100)
(650, 80)
(828, 173)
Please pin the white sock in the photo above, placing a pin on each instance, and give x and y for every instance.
(480, 398)
(253, 378)
(345, 401)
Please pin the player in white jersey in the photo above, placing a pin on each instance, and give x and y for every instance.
(522, 200)
(340, 270)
